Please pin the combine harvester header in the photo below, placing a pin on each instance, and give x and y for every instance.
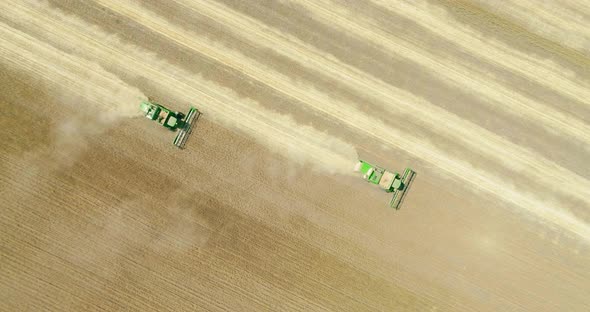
(389, 181)
(171, 120)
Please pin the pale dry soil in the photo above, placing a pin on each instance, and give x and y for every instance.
(489, 104)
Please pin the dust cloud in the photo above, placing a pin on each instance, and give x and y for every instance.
(318, 149)
(100, 98)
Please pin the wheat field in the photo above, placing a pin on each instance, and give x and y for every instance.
(488, 102)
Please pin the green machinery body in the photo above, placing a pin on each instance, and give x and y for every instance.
(171, 120)
(391, 182)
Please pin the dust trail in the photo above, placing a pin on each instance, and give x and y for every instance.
(261, 123)
(100, 98)
(281, 133)
(462, 76)
(545, 72)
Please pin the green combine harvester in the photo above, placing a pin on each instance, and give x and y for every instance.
(391, 182)
(171, 120)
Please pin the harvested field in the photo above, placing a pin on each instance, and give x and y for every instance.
(489, 104)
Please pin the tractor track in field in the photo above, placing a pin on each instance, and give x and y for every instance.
(270, 214)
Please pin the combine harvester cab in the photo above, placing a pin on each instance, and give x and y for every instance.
(390, 182)
(171, 120)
